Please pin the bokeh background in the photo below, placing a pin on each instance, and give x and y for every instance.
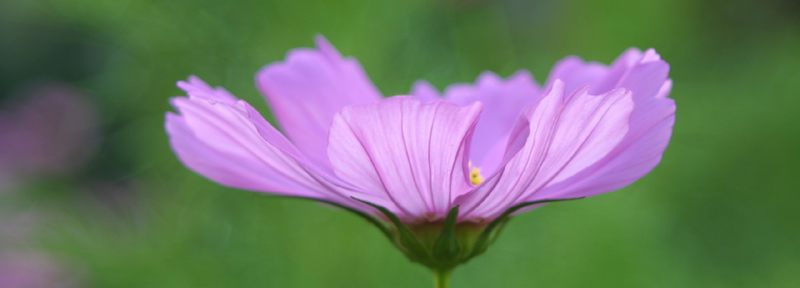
(92, 196)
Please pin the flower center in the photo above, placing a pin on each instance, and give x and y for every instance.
(475, 175)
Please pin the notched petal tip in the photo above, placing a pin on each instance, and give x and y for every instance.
(193, 82)
(522, 75)
(196, 88)
(488, 78)
(650, 55)
(326, 47)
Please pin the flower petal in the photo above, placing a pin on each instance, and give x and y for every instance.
(650, 127)
(227, 141)
(503, 102)
(307, 89)
(643, 73)
(425, 92)
(197, 88)
(567, 134)
(575, 73)
(406, 151)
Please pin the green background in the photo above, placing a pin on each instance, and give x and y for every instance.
(721, 210)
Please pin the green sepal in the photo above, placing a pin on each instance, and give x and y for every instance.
(446, 246)
(441, 246)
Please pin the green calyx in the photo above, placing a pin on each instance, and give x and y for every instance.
(443, 245)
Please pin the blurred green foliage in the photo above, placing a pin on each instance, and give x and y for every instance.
(720, 210)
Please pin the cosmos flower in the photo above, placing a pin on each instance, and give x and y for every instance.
(50, 132)
(439, 174)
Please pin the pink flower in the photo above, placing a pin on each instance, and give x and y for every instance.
(51, 132)
(463, 161)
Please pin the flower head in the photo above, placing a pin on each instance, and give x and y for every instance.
(50, 132)
(437, 173)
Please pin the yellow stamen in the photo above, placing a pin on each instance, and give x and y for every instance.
(475, 175)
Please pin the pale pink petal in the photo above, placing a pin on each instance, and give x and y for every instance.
(407, 151)
(650, 127)
(308, 88)
(636, 156)
(575, 73)
(503, 102)
(665, 89)
(197, 88)
(643, 73)
(425, 91)
(568, 133)
(227, 141)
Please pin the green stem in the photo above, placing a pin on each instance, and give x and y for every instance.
(441, 279)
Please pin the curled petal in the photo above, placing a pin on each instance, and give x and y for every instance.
(411, 153)
(574, 73)
(308, 88)
(503, 102)
(645, 75)
(227, 141)
(567, 135)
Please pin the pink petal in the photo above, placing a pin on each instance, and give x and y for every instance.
(575, 73)
(650, 127)
(425, 91)
(197, 88)
(644, 73)
(503, 102)
(567, 135)
(406, 151)
(227, 141)
(307, 89)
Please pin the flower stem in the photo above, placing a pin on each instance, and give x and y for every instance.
(441, 279)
